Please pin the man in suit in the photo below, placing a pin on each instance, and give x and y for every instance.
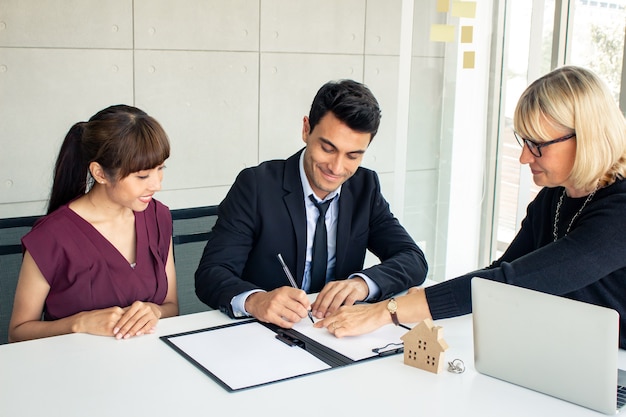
(272, 209)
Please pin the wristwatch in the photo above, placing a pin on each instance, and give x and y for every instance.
(392, 307)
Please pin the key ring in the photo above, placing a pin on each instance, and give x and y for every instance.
(456, 366)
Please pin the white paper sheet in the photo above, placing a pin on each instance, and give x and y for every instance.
(246, 355)
(355, 347)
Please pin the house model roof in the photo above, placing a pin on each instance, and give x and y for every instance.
(424, 346)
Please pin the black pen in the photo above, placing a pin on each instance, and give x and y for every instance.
(291, 280)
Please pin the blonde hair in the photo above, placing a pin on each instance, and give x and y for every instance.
(574, 99)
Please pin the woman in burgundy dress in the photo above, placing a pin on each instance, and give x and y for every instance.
(101, 260)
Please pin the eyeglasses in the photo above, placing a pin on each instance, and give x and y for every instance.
(535, 147)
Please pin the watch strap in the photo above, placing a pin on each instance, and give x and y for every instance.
(393, 313)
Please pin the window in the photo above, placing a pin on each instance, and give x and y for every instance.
(591, 35)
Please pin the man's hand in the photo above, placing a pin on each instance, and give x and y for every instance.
(338, 293)
(283, 306)
(356, 319)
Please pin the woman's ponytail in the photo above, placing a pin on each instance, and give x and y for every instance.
(70, 171)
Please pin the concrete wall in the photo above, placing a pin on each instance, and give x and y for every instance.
(230, 81)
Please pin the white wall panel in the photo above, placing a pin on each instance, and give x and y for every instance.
(66, 23)
(231, 25)
(420, 212)
(381, 72)
(386, 187)
(289, 83)
(190, 197)
(323, 26)
(382, 28)
(44, 92)
(425, 114)
(208, 104)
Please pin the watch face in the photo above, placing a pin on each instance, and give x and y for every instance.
(392, 306)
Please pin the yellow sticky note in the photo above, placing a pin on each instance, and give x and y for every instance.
(468, 59)
(467, 34)
(442, 33)
(464, 9)
(443, 6)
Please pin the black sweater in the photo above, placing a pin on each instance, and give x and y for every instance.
(588, 264)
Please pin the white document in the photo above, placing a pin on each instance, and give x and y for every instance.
(246, 355)
(386, 338)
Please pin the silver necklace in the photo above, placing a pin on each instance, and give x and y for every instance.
(558, 211)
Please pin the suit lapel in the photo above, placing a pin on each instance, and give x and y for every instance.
(294, 201)
(344, 227)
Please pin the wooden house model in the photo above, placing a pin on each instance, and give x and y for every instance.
(424, 347)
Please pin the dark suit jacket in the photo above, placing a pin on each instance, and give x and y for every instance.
(263, 214)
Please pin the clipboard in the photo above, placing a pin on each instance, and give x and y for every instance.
(248, 354)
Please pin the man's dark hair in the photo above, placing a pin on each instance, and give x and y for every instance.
(351, 102)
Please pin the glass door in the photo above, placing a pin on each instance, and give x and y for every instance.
(527, 52)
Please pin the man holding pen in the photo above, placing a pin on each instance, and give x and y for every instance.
(320, 211)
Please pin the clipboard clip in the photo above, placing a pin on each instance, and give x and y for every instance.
(289, 340)
(389, 349)
(391, 352)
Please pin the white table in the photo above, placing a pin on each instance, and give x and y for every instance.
(83, 375)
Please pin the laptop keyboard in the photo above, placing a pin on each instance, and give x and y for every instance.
(621, 396)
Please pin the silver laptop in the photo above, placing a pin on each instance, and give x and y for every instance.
(554, 345)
